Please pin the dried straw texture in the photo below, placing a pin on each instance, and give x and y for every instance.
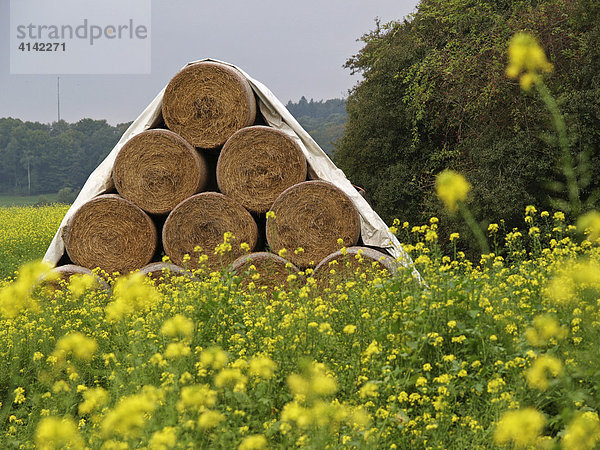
(112, 233)
(65, 273)
(157, 170)
(201, 221)
(272, 270)
(352, 265)
(207, 102)
(312, 215)
(160, 272)
(257, 164)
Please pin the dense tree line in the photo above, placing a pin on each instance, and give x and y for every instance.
(324, 120)
(434, 95)
(38, 158)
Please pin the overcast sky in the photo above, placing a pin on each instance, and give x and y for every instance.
(294, 47)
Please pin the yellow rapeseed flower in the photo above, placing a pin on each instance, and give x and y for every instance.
(526, 59)
(451, 187)
(210, 419)
(57, 433)
(262, 366)
(521, 427)
(93, 399)
(537, 374)
(589, 224)
(254, 442)
(163, 439)
(583, 432)
(76, 344)
(178, 326)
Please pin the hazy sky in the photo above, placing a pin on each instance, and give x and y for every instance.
(294, 47)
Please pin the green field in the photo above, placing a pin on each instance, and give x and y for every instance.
(491, 353)
(26, 200)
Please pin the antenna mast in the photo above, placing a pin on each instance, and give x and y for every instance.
(58, 96)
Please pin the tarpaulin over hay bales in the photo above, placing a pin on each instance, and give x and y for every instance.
(374, 231)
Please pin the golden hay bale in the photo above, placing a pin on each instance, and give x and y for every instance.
(158, 169)
(64, 273)
(201, 221)
(112, 233)
(312, 215)
(339, 267)
(160, 272)
(207, 102)
(257, 164)
(272, 271)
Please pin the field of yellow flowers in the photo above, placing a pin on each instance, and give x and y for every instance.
(497, 352)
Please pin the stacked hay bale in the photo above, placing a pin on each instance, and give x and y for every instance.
(165, 204)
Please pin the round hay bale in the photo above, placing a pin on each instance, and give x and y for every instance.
(158, 169)
(272, 270)
(160, 272)
(352, 265)
(312, 215)
(201, 221)
(112, 233)
(65, 273)
(207, 102)
(257, 164)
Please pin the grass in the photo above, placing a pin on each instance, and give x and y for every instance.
(488, 347)
(26, 200)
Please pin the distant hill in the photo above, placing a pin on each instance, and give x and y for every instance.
(324, 120)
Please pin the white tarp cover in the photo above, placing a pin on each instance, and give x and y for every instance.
(374, 231)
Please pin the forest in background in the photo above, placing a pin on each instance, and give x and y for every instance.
(37, 158)
(434, 95)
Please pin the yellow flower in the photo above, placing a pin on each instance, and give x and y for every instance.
(270, 215)
(19, 395)
(537, 374)
(130, 414)
(176, 350)
(255, 442)
(368, 390)
(213, 357)
(163, 439)
(76, 344)
(349, 329)
(263, 367)
(231, 377)
(131, 294)
(545, 327)
(196, 398)
(583, 432)
(210, 419)
(521, 427)
(451, 187)
(589, 224)
(526, 58)
(93, 399)
(17, 296)
(57, 433)
(178, 326)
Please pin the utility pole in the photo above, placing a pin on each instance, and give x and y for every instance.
(58, 96)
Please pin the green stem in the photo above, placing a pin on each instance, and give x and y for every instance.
(563, 141)
(474, 226)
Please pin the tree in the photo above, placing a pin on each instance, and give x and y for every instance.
(434, 95)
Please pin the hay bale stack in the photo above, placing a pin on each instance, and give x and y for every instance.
(312, 215)
(64, 273)
(157, 170)
(257, 164)
(273, 270)
(160, 272)
(112, 233)
(201, 221)
(207, 102)
(352, 264)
